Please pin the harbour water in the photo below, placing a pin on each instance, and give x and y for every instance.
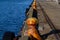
(12, 15)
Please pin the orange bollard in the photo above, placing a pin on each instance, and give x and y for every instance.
(34, 5)
(32, 31)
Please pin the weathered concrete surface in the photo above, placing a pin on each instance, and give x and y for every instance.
(53, 11)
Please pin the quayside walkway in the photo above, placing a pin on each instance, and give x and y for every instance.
(48, 15)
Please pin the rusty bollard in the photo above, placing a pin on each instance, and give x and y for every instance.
(34, 6)
(32, 31)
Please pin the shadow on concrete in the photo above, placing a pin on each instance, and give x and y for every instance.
(34, 13)
(50, 33)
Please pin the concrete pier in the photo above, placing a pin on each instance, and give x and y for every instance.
(53, 13)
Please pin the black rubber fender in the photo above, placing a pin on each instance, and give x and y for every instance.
(8, 36)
